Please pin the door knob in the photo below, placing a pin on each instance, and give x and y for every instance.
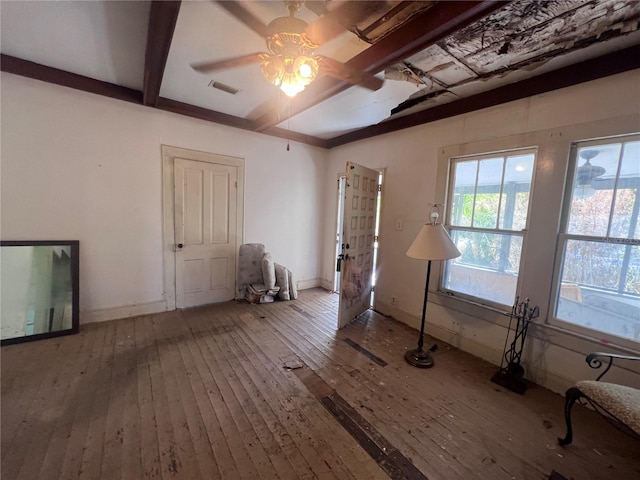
(180, 245)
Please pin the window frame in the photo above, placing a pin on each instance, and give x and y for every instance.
(548, 185)
(563, 237)
(522, 233)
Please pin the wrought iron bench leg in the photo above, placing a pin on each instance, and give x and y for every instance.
(571, 396)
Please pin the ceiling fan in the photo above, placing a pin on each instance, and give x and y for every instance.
(587, 175)
(291, 62)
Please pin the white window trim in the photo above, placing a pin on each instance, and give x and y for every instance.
(562, 238)
(522, 233)
(536, 283)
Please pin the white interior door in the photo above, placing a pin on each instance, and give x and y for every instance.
(205, 206)
(360, 207)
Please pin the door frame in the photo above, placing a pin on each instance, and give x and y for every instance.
(169, 154)
(342, 180)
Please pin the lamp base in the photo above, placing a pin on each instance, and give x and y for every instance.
(419, 358)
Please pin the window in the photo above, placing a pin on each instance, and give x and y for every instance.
(598, 277)
(488, 205)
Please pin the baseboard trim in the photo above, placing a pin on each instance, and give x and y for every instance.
(545, 378)
(105, 314)
(305, 284)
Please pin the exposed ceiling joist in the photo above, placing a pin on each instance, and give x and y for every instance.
(610, 64)
(434, 31)
(422, 30)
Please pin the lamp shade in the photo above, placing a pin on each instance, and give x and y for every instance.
(433, 243)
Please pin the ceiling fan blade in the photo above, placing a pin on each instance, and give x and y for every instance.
(333, 22)
(349, 74)
(246, 17)
(225, 63)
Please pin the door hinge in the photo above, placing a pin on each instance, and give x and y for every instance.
(375, 238)
(379, 187)
(236, 183)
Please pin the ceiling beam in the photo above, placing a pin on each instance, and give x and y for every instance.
(162, 23)
(593, 69)
(28, 69)
(202, 113)
(419, 32)
(232, 121)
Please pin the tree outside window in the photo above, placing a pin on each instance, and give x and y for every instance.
(599, 245)
(487, 218)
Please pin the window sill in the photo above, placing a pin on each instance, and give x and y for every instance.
(541, 330)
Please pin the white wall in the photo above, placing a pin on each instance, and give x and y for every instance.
(81, 166)
(610, 105)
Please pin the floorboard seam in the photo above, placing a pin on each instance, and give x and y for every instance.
(374, 358)
(394, 463)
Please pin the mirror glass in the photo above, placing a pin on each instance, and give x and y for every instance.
(38, 290)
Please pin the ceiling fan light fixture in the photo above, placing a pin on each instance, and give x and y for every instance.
(296, 74)
(291, 65)
(273, 69)
(306, 69)
(290, 75)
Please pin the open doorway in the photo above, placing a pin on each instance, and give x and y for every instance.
(341, 186)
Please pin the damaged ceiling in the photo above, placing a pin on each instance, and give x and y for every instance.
(520, 37)
(437, 58)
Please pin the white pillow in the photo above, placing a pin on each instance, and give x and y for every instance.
(282, 281)
(268, 271)
(293, 289)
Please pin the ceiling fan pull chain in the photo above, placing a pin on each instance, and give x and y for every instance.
(288, 118)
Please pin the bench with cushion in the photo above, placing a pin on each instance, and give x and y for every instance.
(619, 404)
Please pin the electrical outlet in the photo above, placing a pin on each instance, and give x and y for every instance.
(394, 301)
(399, 224)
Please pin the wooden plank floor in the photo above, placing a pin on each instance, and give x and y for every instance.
(239, 391)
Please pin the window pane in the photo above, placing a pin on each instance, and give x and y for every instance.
(488, 193)
(464, 187)
(632, 280)
(623, 214)
(591, 290)
(596, 264)
(515, 192)
(595, 174)
(627, 194)
(486, 210)
(488, 267)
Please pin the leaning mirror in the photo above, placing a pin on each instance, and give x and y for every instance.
(38, 289)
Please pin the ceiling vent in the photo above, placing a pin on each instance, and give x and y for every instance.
(223, 87)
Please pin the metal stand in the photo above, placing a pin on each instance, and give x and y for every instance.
(511, 376)
(419, 357)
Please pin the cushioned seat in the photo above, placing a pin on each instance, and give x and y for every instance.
(620, 401)
(620, 404)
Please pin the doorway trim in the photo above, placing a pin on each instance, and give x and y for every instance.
(169, 154)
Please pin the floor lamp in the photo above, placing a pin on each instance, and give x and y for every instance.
(431, 243)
